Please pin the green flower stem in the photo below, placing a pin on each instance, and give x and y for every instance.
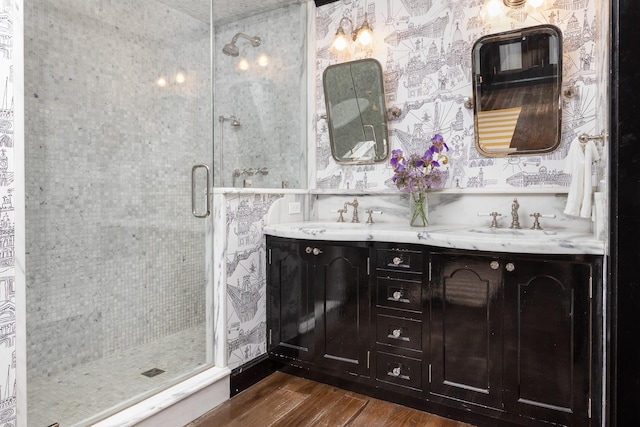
(418, 206)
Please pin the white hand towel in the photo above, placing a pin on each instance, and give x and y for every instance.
(579, 163)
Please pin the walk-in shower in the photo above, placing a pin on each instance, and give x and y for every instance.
(232, 50)
(116, 303)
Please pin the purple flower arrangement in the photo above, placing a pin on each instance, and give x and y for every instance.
(417, 173)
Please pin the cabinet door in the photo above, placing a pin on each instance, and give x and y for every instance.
(466, 329)
(290, 300)
(342, 309)
(547, 343)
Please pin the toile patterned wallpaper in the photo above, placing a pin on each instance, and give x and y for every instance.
(7, 223)
(245, 275)
(425, 51)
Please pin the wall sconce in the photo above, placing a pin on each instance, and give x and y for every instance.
(496, 8)
(362, 34)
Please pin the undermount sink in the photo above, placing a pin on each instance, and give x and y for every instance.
(515, 232)
(334, 225)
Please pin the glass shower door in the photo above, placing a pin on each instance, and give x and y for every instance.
(118, 110)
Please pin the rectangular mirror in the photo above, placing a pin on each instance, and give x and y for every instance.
(517, 87)
(356, 112)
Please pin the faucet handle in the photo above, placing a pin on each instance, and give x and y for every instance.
(340, 212)
(370, 218)
(495, 215)
(536, 217)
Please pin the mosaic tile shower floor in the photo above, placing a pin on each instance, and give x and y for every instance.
(85, 391)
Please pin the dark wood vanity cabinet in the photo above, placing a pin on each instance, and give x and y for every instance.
(506, 337)
(466, 299)
(318, 304)
(547, 345)
(401, 332)
(513, 333)
(290, 301)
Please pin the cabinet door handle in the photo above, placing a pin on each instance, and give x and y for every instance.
(397, 260)
(510, 267)
(317, 251)
(494, 265)
(308, 249)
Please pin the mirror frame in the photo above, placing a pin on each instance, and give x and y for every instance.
(502, 38)
(381, 108)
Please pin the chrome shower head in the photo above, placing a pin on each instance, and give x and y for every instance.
(232, 50)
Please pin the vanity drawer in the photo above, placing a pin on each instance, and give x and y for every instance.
(399, 370)
(399, 332)
(402, 294)
(405, 260)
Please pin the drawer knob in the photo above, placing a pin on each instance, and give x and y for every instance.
(510, 267)
(494, 265)
(395, 372)
(397, 260)
(397, 295)
(316, 251)
(396, 333)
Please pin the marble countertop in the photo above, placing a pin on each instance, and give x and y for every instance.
(547, 241)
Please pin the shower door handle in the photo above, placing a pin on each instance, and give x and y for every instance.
(193, 190)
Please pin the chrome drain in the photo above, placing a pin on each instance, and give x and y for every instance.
(152, 372)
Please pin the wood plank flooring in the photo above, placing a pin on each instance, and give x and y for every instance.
(285, 400)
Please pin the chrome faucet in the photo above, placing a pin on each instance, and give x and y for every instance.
(515, 222)
(355, 209)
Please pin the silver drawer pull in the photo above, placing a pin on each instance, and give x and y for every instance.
(397, 295)
(396, 333)
(397, 260)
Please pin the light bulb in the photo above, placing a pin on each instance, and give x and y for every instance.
(180, 78)
(536, 3)
(162, 82)
(365, 36)
(340, 42)
(494, 8)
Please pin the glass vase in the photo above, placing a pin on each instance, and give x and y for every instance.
(418, 209)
